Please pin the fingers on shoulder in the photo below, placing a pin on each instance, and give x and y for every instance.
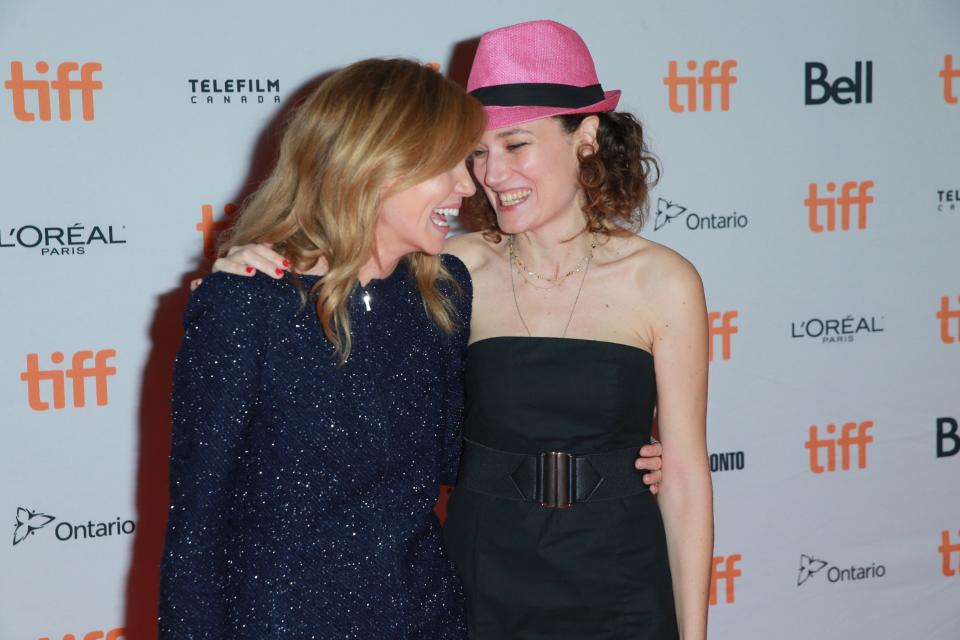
(471, 248)
(245, 259)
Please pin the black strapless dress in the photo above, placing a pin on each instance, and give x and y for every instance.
(597, 570)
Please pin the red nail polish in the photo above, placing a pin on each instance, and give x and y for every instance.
(279, 272)
(286, 264)
(249, 269)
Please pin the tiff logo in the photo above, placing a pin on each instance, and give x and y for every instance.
(722, 327)
(947, 549)
(113, 634)
(64, 85)
(725, 568)
(708, 79)
(815, 203)
(860, 85)
(77, 373)
(211, 228)
(949, 74)
(846, 441)
(945, 315)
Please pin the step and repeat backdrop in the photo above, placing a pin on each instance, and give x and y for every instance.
(811, 155)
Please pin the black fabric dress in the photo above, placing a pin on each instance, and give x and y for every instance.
(596, 570)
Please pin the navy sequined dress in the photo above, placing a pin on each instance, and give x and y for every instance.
(301, 493)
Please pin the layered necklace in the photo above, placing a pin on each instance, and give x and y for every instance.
(516, 264)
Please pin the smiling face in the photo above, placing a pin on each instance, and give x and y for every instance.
(417, 218)
(530, 173)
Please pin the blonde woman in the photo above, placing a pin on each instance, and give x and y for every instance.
(316, 414)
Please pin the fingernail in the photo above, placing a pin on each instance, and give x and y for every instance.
(279, 272)
(249, 269)
(286, 264)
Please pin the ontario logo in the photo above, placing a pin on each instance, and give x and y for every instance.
(29, 522)
(668, 212)
(811, 566)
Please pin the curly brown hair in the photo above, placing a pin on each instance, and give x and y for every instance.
(616, 179)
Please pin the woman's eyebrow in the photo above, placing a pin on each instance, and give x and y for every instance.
(510, 132)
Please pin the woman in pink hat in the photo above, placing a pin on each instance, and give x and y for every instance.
(581, 332)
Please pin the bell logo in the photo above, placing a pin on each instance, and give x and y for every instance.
(211, 228)
(78, 373)
(725, 568)
(846, 441)
(722, 327)
(948, 442)
(64, 85)
(113, 634)
(862, 198)
(860, 85)
(949, 74)
(948, 549)
(708, 80)
(945, 315)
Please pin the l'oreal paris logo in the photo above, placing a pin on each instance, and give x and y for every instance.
(60, 241)
(836, 329)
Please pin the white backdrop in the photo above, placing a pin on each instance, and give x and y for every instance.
(101, 226)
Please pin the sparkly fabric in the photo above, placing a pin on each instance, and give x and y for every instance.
(302, 493)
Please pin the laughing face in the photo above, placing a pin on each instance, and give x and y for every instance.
(417, 218)
(530, 173)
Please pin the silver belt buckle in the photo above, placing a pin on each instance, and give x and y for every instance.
(556, 477)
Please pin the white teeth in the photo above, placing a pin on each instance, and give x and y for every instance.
(447, 212)
(514, 197)
(440, 223)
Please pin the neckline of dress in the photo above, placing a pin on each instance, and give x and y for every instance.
(563, 339)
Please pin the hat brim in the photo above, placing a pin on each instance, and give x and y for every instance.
(500, 117)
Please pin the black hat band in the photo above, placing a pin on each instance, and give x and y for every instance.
(538, 94)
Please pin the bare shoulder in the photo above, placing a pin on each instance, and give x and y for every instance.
(472, 248)
(657, 273)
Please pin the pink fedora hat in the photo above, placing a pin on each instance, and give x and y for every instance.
(536, 70)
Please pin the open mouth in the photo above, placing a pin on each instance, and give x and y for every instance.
(513, 198)
(441, 217)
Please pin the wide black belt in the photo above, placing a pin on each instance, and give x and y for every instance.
(555, 480)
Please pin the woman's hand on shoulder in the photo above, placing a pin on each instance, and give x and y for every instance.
(245, 260)
(471, 248)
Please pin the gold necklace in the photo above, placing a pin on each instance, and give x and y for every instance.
(513, 286)
(529, 273)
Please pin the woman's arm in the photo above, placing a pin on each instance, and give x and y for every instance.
(452, 444)
(215, 383)
(686, 497)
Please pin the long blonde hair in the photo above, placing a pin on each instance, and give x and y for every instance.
(372, 122)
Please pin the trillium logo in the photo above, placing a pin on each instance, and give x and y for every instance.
(809, 566)
(28, 522)
(668, 211)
